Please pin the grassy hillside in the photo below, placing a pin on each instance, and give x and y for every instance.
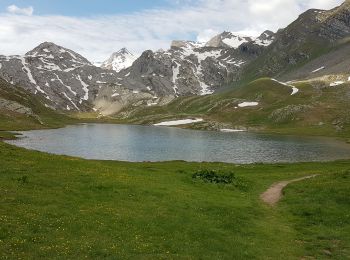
(316, 109)
(63, 207)
(42, 117)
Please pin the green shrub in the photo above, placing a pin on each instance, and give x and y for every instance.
(219, 177)
(23, 179)
(214, 176)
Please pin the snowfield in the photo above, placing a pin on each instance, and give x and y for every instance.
(179, 122)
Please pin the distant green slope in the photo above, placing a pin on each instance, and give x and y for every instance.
(316, 109)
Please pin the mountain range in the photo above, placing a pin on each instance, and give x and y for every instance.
(314, 47)
(70, 82)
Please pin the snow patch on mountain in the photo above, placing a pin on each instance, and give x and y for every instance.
(235, 40)
(85, 88)
(295, 90)
(319, 69)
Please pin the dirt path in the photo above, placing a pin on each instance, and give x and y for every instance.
(274, 193)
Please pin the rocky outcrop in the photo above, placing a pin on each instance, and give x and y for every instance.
(288, 113)
(15, 107)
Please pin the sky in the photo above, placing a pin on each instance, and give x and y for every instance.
(97, 28)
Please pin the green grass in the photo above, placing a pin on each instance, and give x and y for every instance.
(63, 207)
(320, 213)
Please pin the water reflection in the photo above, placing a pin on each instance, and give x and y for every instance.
(149, 143)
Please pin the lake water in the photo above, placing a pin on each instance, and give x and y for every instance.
(151, 143)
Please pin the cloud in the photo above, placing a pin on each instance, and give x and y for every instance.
(13, 9)
(97, 37)
(206, 35)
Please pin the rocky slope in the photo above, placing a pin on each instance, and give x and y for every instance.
(65, 79)
(313, 34)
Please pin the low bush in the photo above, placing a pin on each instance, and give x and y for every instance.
(219, 177)
(214, 176)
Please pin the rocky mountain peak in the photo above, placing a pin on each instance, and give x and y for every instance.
(266, 35)
(119, 60)
(265, 39)
(123, 51)
(49, 50)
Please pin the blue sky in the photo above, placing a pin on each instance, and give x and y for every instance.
(96, 28)
(87, 7)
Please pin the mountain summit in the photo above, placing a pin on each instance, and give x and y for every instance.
(51, 51)
(119, 60)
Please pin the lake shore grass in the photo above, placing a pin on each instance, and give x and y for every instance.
(63, 207)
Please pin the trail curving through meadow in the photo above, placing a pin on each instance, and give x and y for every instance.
(273, 194)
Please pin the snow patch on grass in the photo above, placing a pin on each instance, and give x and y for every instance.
(231, 130)
(248, 104)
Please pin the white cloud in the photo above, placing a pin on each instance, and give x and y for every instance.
(97, 37)
(206, 35)
(13, 9)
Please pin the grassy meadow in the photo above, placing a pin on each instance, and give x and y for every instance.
(60, 207)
